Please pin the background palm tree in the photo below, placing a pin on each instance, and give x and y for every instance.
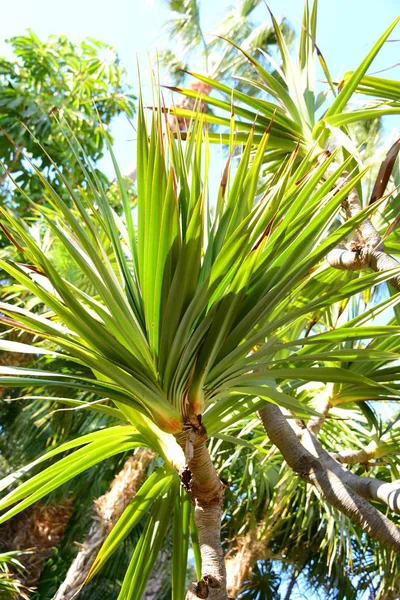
(207, 51)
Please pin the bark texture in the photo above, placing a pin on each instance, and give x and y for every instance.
(239, 567)
(343, 490)
(206, 490)
(367, 252)
(355, 457)
(108, 509)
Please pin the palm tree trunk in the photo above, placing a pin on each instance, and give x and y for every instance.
(238, 567)
(201, 481)
(108, 508)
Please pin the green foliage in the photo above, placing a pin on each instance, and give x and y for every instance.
(51, 80)
(11, 587)
(290, 107)
(263, 583)
(193, 333)
(185, 305)
(212, 53)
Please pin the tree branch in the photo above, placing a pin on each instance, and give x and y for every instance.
(323, 406)
(367, 487)
(356, 457)
(368, 252)
(330, 479)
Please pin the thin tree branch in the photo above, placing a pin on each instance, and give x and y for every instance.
(292, 583)
(356, 457)
(323, 406)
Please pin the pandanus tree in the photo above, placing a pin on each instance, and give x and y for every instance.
(203, 312)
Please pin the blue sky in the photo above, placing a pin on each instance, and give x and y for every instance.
(346, 31)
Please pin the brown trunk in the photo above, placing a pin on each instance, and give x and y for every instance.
(206, 490)
(239, 567)
(108, 509)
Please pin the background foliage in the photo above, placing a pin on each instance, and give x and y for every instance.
(83, 84)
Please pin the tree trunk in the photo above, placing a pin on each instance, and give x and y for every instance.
(206, 490)
(108, 508)
(207, 494)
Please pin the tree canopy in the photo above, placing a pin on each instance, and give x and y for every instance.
(82, 84)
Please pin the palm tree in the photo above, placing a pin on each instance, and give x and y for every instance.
(211, 54)
(204, 322)
(109, 509)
